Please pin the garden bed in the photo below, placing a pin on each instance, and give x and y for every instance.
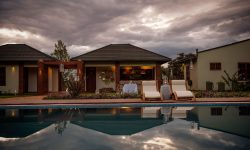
(216, 94)
(92, 96)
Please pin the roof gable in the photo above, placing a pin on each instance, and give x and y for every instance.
(121, 52)
(21, 52)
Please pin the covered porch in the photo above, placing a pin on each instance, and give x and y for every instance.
(113, 75)
(50, 75)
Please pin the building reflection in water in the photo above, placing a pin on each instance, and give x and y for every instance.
(124, 120)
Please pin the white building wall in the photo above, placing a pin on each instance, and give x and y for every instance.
(228, 56)
(12, 79)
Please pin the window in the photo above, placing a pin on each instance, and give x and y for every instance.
(216, 111)
(215, 66)
(244, 71)
(244, 111)
(137, 73)
(2, 76)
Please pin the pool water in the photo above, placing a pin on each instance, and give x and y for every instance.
(201, 127)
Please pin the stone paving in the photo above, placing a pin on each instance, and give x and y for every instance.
(38, 100)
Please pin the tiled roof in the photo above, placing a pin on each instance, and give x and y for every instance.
(21, 52)
(215, 48)
(121, 52)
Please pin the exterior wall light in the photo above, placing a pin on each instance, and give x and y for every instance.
(13, 69)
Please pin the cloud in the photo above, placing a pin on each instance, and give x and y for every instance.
(174, 135)
(165, 27)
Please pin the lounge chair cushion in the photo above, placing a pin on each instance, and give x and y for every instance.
(184, 93)
(152, 94)
(179, 85)
(180, 90)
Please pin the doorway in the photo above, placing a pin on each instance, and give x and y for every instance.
(53, 79)
(30, 79)
(90, 79)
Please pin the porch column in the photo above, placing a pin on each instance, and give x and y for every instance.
(117, 76)
(21, 80)
(158, 77)
(80, 71)
(60, 86)
(41, 85)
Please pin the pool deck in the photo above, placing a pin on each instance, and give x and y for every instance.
(39, 101)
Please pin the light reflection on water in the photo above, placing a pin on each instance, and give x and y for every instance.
(126, 128)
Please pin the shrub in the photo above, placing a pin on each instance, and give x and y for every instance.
(106, 90)
(207, 94)
(74, 87)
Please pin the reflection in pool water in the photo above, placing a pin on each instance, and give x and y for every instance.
(126, 128)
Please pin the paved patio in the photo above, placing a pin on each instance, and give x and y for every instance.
(38, 100)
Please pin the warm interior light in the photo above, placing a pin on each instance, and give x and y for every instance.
(127, 68)
(127, 109)
(146, 67)
(50, 72)
(40, 71)
(13, 69)
(113, 68)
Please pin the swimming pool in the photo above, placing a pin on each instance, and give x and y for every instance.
(155, 127)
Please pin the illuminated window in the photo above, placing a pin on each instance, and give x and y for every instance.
(137, 73)
(215, 66)
(2, 76)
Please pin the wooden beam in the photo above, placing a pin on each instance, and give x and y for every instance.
(80, 71)
(40, 78)
(158, 77)
(117, 75)
(42, 82)
(21, 79)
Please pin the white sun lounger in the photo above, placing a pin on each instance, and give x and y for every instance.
(180, 91)
(149, 90)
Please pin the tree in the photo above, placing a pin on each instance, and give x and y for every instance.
(177, 65)
(60, 51)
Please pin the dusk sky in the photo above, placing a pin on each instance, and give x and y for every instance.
(167, 27)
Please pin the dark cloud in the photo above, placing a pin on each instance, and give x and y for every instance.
(166, 27)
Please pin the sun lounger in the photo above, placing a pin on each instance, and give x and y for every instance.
(180, 91)
(149, 90)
